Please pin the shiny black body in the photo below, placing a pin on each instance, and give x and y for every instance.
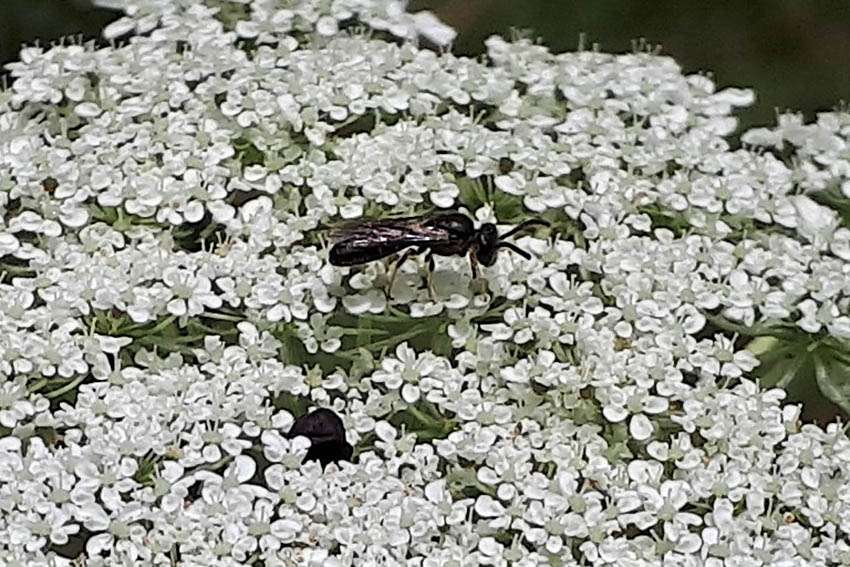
(452, 234)
(326, 433)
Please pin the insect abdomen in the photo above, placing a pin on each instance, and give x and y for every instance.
(352, 253)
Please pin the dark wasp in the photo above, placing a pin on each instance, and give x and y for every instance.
(451, 234)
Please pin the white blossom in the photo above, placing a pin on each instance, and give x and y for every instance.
(168, 310)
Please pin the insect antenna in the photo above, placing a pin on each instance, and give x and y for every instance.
(523, 226)
(515, 248)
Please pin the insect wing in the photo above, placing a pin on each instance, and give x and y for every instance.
(372, 240)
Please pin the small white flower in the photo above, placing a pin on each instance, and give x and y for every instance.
(192, 292)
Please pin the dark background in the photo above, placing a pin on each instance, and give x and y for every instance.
(795, 54)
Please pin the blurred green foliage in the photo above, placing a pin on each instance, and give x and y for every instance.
(796, 55)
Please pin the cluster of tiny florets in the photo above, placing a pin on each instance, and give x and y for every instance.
(167, 307)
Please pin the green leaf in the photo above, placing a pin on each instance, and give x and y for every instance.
(809, 369)
(781, 362)
(508, 208)
(761, 345)
(833, 378)
(472, 192)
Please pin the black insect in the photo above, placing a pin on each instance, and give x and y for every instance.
(326, 433)
(452, 234)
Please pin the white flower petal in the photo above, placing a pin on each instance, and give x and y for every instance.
(640, 427)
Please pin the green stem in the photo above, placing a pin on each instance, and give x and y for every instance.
(562, 354)
(17, 269)
(363, 331)
(432, 409)
(224, 461)
(162, 324)
(210, 330)
(222, 316)
(346, 355)
(207, 231)
(421, 417)
(66, 388)
(364, 336)
(401, 318)
(493, 312)
(132, 330)
(392, 341)
(38, 385)
(164, 342)
(754, 331)
(399, 314)
(483, 488)
(100, 214)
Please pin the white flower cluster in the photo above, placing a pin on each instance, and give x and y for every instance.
(167, 307)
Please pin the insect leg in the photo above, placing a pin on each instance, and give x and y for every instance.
(473, 263)
(396, 266)
(515, 248)
(407, 254)
(429, 257)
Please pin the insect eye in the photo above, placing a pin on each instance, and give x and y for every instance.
(487, 235)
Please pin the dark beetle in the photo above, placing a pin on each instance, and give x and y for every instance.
(326, 433)
(452, 234)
